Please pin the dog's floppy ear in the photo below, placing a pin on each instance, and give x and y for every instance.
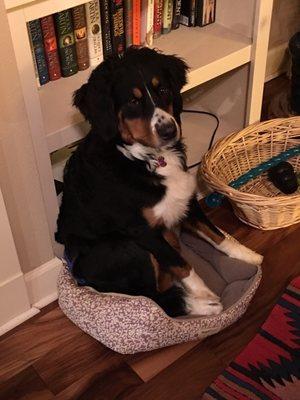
(177, 70)
(94, 101)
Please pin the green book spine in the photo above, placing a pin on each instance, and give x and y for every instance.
(167, 16)
(66, 42)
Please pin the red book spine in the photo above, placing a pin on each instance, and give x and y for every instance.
(50, 45)
(158, 14)
(136, 22)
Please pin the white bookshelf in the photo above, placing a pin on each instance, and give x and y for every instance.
(227, 65)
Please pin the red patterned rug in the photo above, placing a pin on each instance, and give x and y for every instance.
(269, 367)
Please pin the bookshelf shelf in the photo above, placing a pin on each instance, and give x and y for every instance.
(209, 51)
(227, 61)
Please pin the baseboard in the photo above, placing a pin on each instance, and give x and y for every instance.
(14, 299)
(277, 61)
(18, 320)
(42, 283)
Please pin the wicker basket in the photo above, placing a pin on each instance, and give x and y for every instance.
(257, 203)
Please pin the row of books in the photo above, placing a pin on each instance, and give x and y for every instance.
(74, 39)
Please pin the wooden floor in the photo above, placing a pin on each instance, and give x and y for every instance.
(48, 357)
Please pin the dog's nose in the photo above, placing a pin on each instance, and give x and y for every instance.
(167, 130)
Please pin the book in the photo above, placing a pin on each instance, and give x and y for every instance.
(157, 19)
(205, 12)
(80, 33)
(176, 14)
(94, 34)
(50, 47)
(187, 16)
(136, 22)
(128, 22)
(66, 43)
(167, 16)
(149, 23)
(143, 21)
(117, 26)
(37, 47)
(105, 28)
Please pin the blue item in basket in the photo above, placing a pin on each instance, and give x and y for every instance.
(215, 199)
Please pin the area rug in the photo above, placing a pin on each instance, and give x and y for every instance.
(269, 367)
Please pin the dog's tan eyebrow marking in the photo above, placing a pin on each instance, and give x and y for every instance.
(137, 93)
(155, 81)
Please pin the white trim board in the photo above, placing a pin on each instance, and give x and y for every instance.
(13, 299)
(42, 283)
(19, 319)
(39, 286)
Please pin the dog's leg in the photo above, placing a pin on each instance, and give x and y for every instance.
(197, 223)
(199, 299)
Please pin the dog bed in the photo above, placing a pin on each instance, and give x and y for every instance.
(130, 324)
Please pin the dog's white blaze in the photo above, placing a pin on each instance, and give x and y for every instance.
(159, 117)
(180, 186)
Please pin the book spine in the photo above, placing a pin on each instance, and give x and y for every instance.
(136, 22)
(94, 34)
(105, 27)
(149, 24)
(50, 45)
(128, 22)
(117, 26)
(80, 33)
(66, 43)
(193, 13)
(167, 18)
(185, 13)
(158, 17)
(37, 45)
(205, 12)
(176, 14)
(143, 21)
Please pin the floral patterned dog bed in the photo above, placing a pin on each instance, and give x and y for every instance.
(130, 324)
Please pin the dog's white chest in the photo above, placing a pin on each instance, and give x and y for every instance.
(180, 187)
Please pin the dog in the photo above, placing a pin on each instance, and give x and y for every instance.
(127, 187)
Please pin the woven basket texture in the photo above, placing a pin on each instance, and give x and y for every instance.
(257, 203)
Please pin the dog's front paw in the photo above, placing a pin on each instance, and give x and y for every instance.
(203, 306)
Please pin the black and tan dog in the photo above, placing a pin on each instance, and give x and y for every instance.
(127, 187)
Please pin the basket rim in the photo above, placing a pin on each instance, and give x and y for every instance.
(213, 180)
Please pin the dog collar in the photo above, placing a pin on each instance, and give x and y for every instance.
(161, 162)
(152, 160)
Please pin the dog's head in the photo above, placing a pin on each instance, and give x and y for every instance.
(136, 98)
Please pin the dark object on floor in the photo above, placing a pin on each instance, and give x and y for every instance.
(283, 177)
(294, 47)
(268, 368)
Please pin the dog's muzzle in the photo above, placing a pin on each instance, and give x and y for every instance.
(164, 125)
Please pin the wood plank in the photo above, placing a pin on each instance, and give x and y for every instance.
(117, 384)
(33, 339)
(25, 385)
(184, 379)
(81, 355)
(153, 363)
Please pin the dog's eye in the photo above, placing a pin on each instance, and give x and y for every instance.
(134, 101)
